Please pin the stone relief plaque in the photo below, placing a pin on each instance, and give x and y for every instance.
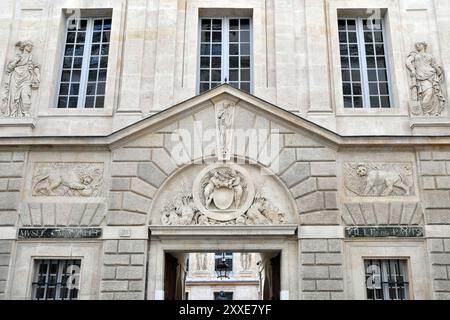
(59, 233)
(378, 179)
(66, 179)
(222, 194)
(383, 232)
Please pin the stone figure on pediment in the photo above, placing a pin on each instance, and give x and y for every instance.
(426, 82)
(23, 76)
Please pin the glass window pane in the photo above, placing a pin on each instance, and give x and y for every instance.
(204, 75)
(245, 36)
(205, 49)
(344, 63)
(245, 75)
(99, 102)
(358, 102)
(71, 37)
(234, 49)
(204, 87)
(216, 62)
(217, 37)
(245, 62)
(90, 102)
(245, 24)
(372, 75)
(374, 102)
(101, 88)
(206, 24)
(234, 36)
(204, 62)
(102, 75)
(234, 75)
(348, 102)
(234, 62)
(217, 49)
(352, 37)
(216, 75)
(217, 24)
(345, 75)
(234, 24)
(245, 49)
(245, 86)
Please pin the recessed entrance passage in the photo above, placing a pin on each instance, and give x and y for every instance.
(222, 275)
(187, 263)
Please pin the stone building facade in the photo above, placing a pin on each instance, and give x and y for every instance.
(314, 132)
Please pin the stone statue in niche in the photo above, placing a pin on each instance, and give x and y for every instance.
(378, 179)
(67, 179)
(426, 82)
(202, 261)
(23, 76)
(225, 119)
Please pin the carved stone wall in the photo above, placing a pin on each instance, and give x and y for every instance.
(11, 180)
(435, 180)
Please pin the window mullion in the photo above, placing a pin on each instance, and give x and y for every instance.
(363, 62)
(225, 50)
(86, 62)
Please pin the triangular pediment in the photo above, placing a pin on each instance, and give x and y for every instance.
(250, 111)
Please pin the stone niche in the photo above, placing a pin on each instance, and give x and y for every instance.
(223, 194)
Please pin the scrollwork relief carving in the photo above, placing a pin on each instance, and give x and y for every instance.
(378, 179)
(23, 76)
(426, 84)
(182, 211)
(67, 179)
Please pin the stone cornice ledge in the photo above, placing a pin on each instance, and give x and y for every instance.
(227, 231)
(439, 126)
(17, 122)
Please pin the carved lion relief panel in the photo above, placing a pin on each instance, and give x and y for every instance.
(66, 179)
(379, 179)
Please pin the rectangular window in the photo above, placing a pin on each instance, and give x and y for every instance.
(225, 53)
(219, 256)
(85, 63)
(365, 80)
(56, 279)
(386, 279)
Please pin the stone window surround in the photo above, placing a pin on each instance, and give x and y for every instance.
(414, 251)
(54, 50)
(26, 252)
(393, 42)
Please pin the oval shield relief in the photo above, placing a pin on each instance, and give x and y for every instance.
(223, 198)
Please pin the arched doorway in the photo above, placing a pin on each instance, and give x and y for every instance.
(223, 207)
